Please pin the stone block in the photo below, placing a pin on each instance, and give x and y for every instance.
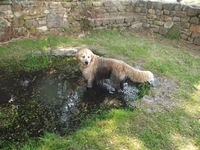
(185, 19)
(178, 7)
(186, 32)
(66, 4)
(158, 5)
(105, 21)
(159, 12)
(195, 28)
(151, 16)
(159, 23)
(141, 3)
(183, 36)
(35, 11)
(180, 14)
(162, 31)
(172, 13)
(192, 11)
(166, 12)
(129, 19)
(146, 25)
(42, 21)
(137, 9)
(195, 34)
(121, 8)
(98, 22)
(111, 9)
(64, 52)
(175, 31)
(194, 20)
(112, 20)
(136, 25)
(176, 19)
(129, 8)
(167, 18)
(151, 11)
(55, 21)
(76, 24)
(35, 23)
(8, 14)
(184, 25)
(28, 17)
(54, 5)
(60, 10)
(42, 29)
(119, 20)
(155, 29)
(126, 3)
(190, 39)
(97, 4)
(197, 40)
(168, 24)
(144, 10)
(109, 4)
(150, 4)
(18, 22)
(28, 23)
(28, 4)
(4, 23)
(168, 6)
(5, 7)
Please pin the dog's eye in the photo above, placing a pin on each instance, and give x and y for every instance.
(88, 56)
(83, 56)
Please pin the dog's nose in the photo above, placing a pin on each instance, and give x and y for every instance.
(86, 62)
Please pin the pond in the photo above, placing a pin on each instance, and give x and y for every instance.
(55, 100)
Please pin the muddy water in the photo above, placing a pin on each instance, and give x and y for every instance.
(53, 100)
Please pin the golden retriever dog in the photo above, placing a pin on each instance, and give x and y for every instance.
(95, 68)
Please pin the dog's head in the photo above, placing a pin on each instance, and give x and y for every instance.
(85, 56)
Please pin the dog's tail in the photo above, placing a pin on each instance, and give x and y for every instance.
(137, 75)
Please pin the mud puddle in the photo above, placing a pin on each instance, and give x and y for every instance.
(54, 101)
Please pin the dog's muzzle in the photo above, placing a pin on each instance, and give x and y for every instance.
(86, 62)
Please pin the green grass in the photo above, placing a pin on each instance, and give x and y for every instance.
(115, 129)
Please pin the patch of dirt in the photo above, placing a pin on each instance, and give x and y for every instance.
(160, 96)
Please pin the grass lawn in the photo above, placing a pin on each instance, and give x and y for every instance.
(125, 129)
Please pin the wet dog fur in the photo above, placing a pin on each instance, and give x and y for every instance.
(95, 68)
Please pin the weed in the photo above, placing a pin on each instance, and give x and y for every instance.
(34, 62)
(143, 89)
(173, 33)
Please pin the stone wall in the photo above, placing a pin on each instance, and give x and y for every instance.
(169, 19)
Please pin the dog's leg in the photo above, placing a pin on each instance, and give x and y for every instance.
(116, 82)
(122, 85)
(90, 82)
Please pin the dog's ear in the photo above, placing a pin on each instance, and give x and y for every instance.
(77, 55)
(92, 57)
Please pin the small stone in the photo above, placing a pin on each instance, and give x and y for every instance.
(176, 19)
(197, 40)
(42, 29)
(136, 25)
(191, 11)
(195, 28)
(168, 24)
(162, 31)
(81, 35)
(160, 23)
(194, 20)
